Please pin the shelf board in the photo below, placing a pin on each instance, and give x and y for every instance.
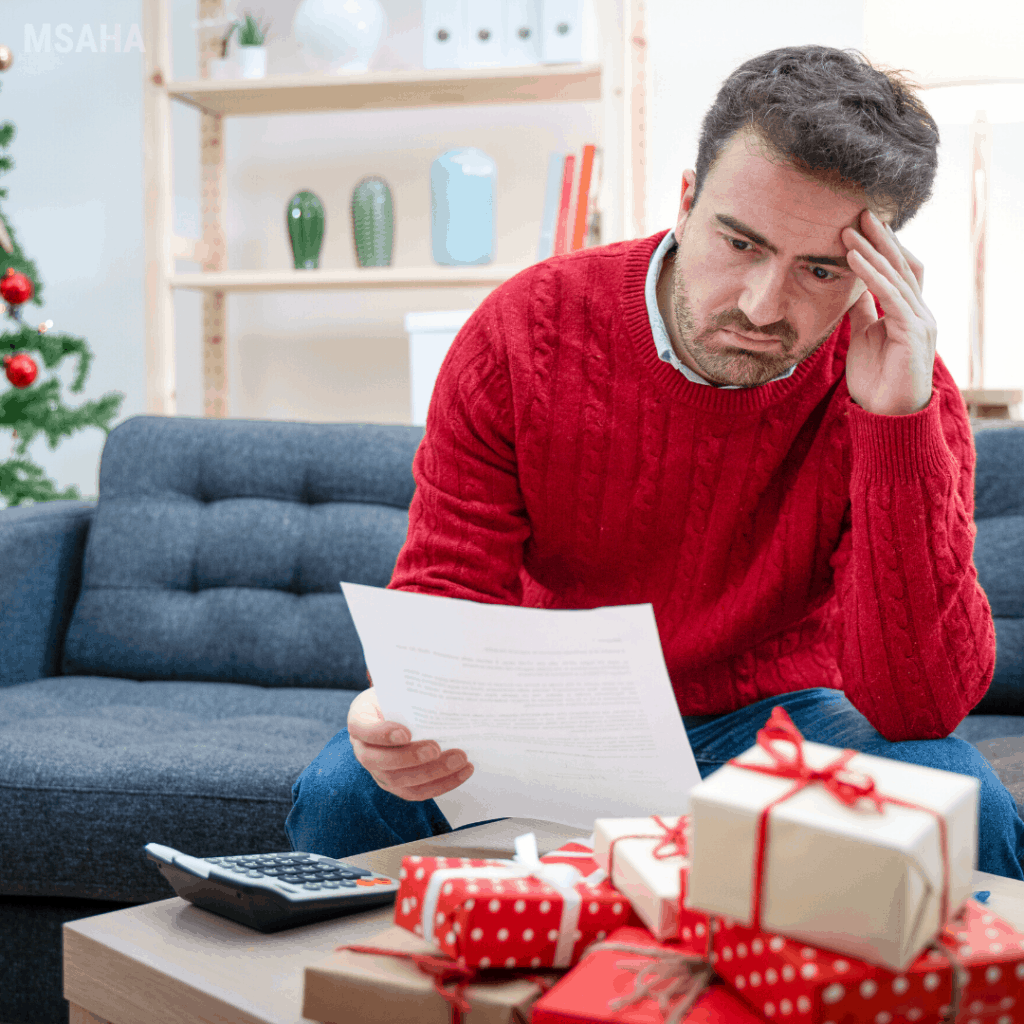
(377, 90)
(490, 275)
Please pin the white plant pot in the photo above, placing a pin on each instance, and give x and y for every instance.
(252, 60)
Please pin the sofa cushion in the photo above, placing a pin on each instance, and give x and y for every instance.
(998, 550)
(95, 768)
(217, 549)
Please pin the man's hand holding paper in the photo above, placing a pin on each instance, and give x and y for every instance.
(412, 771)
(564, 715)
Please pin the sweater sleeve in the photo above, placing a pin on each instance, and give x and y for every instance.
(915, 634)
(467, 520)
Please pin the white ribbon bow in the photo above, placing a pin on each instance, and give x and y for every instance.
(526, 864)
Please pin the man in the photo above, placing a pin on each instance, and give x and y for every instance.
(742, 421)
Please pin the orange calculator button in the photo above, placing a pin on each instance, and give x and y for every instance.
(365, 881)
(383, 881)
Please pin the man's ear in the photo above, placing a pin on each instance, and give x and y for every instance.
(685, 202)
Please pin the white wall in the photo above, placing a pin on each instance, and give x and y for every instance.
(937, 40)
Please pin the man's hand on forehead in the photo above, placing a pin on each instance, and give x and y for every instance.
(890, 360)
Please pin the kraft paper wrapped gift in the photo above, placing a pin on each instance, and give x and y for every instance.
(865, 878)
(647, 860)
(359, 988)
(528, 913)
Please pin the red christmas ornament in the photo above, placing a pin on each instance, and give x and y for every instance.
(15, 287)
(21, 369)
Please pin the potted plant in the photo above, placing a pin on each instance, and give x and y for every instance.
(252, 50)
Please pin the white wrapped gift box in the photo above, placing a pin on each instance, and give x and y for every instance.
(650, 884)
(848, 879)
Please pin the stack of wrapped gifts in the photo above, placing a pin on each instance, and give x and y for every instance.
(805, 883)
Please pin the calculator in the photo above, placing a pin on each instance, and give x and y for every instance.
(272, 891)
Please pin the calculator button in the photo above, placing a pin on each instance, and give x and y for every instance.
(311, 885)
(365, 881)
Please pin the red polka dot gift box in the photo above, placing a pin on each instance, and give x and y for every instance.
(640, 982)
(648, 861)
(860, 854)
(525, 913)
(975, 967)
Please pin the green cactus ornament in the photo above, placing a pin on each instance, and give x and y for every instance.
(373, 222)
(305, 216)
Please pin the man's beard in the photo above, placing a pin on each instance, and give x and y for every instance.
(732, 365)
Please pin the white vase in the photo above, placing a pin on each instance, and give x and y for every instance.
(339, 35)
(252, 60)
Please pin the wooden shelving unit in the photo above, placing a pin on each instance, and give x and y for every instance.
(385, 90)
(617, 82)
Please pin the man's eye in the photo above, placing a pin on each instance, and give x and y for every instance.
(739, 241)
(828, 274)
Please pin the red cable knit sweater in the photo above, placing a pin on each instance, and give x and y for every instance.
(785, 537)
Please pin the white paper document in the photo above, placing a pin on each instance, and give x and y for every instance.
(566, 715)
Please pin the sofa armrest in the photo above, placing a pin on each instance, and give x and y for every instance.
(41, 549)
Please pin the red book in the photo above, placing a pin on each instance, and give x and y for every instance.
(562, 228)
(583, 197)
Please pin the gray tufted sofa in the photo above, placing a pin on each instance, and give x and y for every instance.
(173, 656)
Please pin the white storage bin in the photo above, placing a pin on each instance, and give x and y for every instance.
(430, 335)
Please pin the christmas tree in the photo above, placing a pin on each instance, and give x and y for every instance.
(26, 408)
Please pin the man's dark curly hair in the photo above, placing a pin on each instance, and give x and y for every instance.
(834, 116)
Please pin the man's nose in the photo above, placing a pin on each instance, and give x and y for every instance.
(764, 299)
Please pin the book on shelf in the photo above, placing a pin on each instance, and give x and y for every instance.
(583, 198)
(549, 216)
(564, 206)
(570, 219)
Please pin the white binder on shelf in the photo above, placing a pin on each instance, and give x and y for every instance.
(483, 36)
(561, 31)
(443, 32)
(522, 32)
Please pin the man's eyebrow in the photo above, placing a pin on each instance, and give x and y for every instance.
(740, 228)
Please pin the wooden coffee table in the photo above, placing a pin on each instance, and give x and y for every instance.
(170, 962)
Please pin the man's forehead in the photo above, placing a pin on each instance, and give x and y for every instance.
(830, 259)
(751, 172)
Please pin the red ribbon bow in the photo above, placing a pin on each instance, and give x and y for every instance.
(444, 970)
(674, 836)
(847, 786)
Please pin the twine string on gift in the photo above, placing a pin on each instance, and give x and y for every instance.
(847, 786)
(444, 972)
(961, 976)
(666, 976)
(673, 837)
(669, 836)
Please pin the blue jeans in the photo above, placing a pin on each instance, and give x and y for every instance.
(338, 810)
